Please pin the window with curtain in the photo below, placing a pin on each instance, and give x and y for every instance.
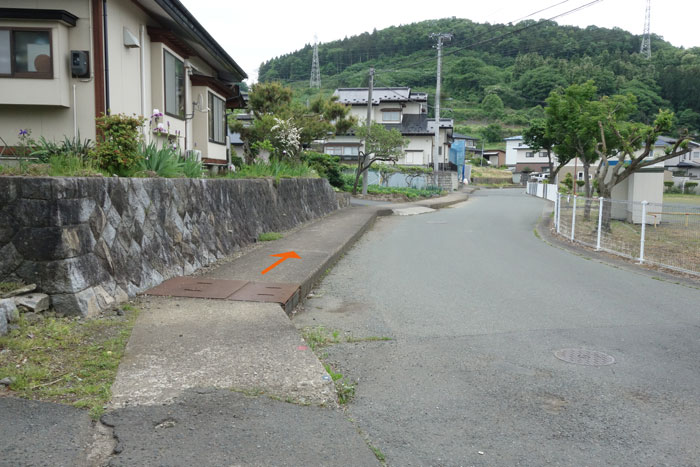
(217, 119)
(174, 71)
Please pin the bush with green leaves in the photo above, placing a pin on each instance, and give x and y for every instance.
(75, 146)
(117, 149)
(325, 165)
(162, 161)
(690, 187)
(568, 182)
(668, 186)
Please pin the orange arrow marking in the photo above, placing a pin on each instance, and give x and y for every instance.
(284, 257)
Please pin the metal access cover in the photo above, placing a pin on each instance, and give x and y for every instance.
(584, 357)
(265, 292)
(197, 287)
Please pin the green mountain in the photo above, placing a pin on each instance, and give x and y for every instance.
(503, 73)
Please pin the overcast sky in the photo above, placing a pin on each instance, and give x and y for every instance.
(256, 31)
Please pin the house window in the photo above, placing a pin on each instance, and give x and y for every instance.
(696, 154)
(471, 144)
(391, 116)
(217, 120)
(351, 151)
(579, 176)
(414, 157)
(334, 150)
(26, 53)
(529, 154)
(543, 154)
(174, 85)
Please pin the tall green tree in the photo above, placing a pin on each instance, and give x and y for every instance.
(571, 127)
(625, 147)
(381, 145)
(538, 137)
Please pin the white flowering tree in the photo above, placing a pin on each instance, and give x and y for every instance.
(285, 138)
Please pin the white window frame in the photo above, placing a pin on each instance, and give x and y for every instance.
(387, 113)
(179, 99)
(217, 122)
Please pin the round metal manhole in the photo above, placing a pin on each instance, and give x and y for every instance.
(584, 357)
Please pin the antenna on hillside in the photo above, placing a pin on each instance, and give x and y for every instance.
(315, 81)
(645, 49)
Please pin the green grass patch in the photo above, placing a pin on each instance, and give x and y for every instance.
(411, 193)
(343, 387)
(66, 360)
(377, 453)
(681, 199)
(273, 169)
(269, 236)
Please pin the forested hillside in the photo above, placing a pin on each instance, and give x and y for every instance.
(501, 74)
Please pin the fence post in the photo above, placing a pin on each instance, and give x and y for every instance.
(644, 228)
(573, 219)
(600, 220)
(557, 206)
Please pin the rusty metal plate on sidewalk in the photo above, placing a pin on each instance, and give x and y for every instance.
(197, 287)
(265, 292)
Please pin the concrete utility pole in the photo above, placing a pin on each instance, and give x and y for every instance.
(365, 176)
(440, 37)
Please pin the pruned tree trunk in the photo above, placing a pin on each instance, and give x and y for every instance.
(358, 172)
(607, 207)
(587, 188)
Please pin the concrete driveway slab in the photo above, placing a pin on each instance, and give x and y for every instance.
(183, 343)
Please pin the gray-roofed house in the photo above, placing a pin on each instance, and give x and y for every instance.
(399, 108)
(65, 62)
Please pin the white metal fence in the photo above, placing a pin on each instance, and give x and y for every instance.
(665, 234)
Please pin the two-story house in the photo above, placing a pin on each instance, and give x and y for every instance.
(398, 108)
(65, 62)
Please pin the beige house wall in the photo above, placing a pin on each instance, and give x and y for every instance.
(125, 93)
(45, 106)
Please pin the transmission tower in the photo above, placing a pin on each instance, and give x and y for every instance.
(645, 49)
(315, 81)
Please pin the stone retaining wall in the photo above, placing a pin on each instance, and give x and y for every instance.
(92, 242)
(448, 181)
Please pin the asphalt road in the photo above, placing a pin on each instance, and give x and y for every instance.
(476, 305)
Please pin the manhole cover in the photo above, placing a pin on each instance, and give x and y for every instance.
(584, 357)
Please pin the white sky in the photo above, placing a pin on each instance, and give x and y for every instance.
(255, 31)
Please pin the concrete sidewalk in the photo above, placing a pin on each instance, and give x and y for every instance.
(183, 388)
(183, 343)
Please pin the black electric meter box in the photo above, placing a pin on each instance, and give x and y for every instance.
(80, 63)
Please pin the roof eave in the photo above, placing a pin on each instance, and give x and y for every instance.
(177, 11)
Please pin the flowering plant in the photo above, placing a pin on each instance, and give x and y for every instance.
(26, 143)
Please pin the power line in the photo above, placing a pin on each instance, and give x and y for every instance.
(515, 31)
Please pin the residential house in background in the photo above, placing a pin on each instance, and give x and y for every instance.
(685, 166)
(65, 62)
(398, 108)
(496, 157)
(472, 145)
(519, 155)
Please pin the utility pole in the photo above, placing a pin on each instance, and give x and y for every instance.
(440, 37)
(365, 175)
